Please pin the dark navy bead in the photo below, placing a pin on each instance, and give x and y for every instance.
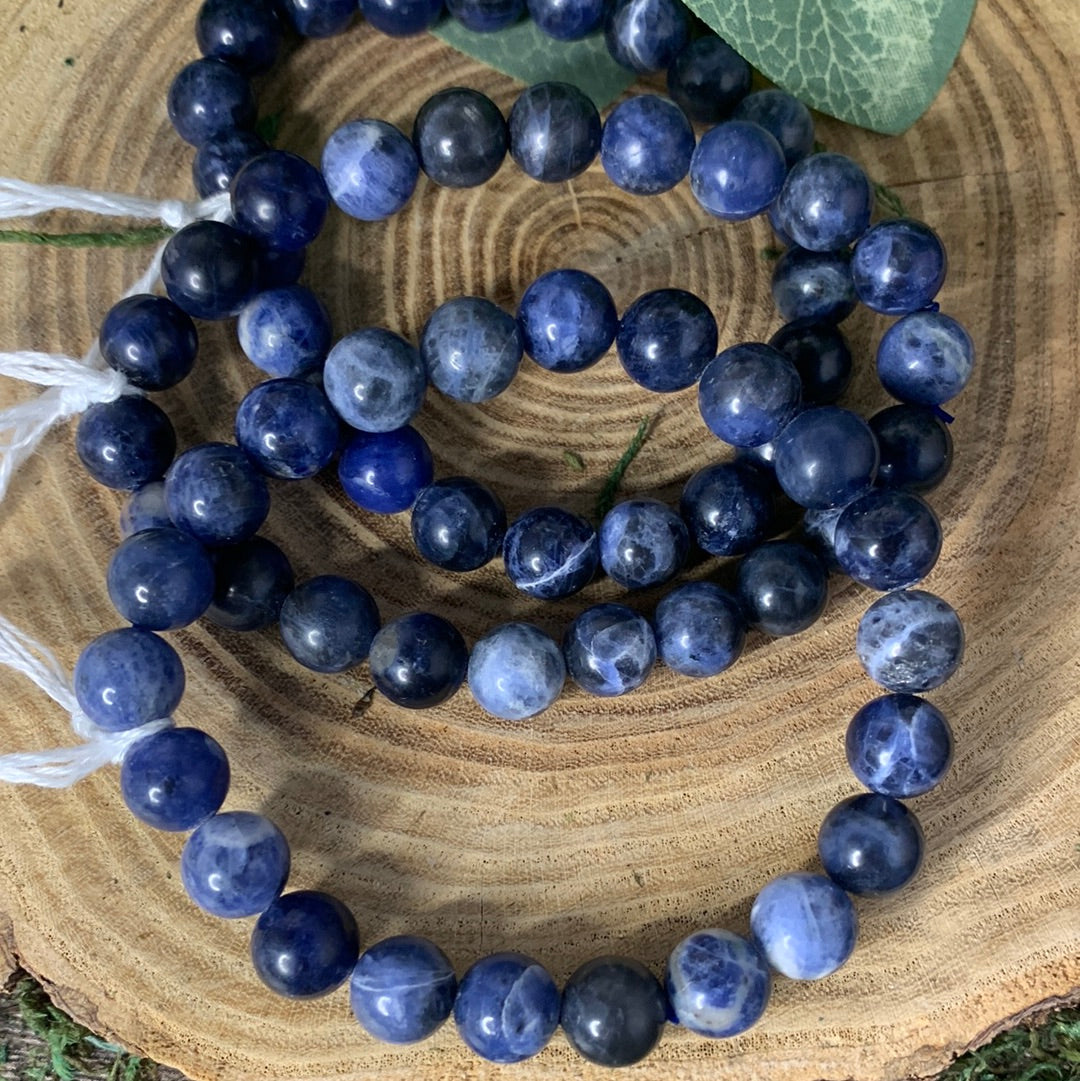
(910, 641)
(813, 285)
(737, 170)
(825, 203)
(782, 588)
(899, 745)
(287, 428)
(567, 319)
(384, 472)
(898, 266)
(305, 944)
(246, 33)
(916, 447)
(285, 331)
(145, 508)
(150, 340)
(486, 16)
(460, 137)
(826, 457)
(507, 1007)
(125, 443)
(370, 168)
(748, 394)
(400, 18)
(784, 117)
(251, 580)
(700, 629)
(328, 623)
(870, 844)
(665, 339)
(318, 18)
(554, 132)
(642, 542)
(209, 98)
(458, 524)
(128, 677)
(821, 356)
(718, 984)
(471, 349)
(646, 144)
(275, 268)
(402, 989)
(215, 494)
(728, 507)
(375, 380)
(926, 358)
(708, 79)
(516, 671)
(566, 20)
(613, 1011)
(174, 779)
(281, 200)
(550, 553)
(609, 650)
(646, 35)
(235, 864)
(218, 161)
(208, 269)
(418, 660)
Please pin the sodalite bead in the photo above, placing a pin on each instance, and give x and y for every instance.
(244, 33)
(150, 340)
(218, 161)
(251, 581)
(370, 169)
(285, 331)
(516, 671)
(550, 553)
(128, 677)
(813, 285)
(418, 660)
(566, 20)
(507, 1007)
(870, 844)
(737, 170)
(910, 641)
(748, 394)
(916, 447)
(926, 358)
(700, 629)
(402, 989)
(471, 349)
(384, 472)
(665, 339)
(174, 779)
(728, 507)
(328, 623)
(609, 650)
(646, 35)
(784, 117)
(554, 132)
(899, 745)
(287, 428)
(458, 524)
(280, 199)
(235, 864)
(208, 269)
(567, 319)
(782, 587)
(718, 984)
(145, 509)
(821, 356)
(460, 137)
(898, 266)
(209, 98)
(318, 18)
(125, 443)
(825, 203)
(400, 18)
(486, 16)
(708, 79)
(642, 542)
(646, 144)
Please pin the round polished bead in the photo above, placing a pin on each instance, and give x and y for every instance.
(566, 20)
(825, 203)
(287, 428)
(821, 356)
(708, 79)
(149, 340)
(458, 524)
(728, 507)
(305, 944)
(318, 18)
(208, 269)
(209, 98)
(554, 132)
(916, 447)
(550, 553)
(613, 1011)
(251, 581)
(217, 161)
(646, 35)
(926, 358)
(700, 629)
(285, 331)
(418, 660)
(400, 18)
(281, 200)
(748, 394)
(460, 137)
(328, 623)
(486, 16)
(370, 169)
(910, 641)
(235, 864)
(642, 542)
(567, 319)
(246, 33)
(898, 266)
(665, 339)
(782, 588)
(784, 117)
(145, 508)
(516, 671)
(125, 443)
(384, 472)
(718, 984)
(737, 170)
(128, 677)
(609, 649)
(813, 285)
(646, 144)
(402, 989)
(174, 779)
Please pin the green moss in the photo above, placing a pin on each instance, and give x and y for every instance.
(1049, 1052)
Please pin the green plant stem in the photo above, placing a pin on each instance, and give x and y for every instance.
(606, 498)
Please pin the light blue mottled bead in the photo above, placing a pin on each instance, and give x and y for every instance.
(609, 650)
(285, 331)
(925, 358)
(642, 542)
(516, 671)
(370, 168)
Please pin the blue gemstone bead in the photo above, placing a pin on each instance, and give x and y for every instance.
(145, 508)
(550, 553)
(825, 203)
(128, 677)
(554, 132)
(285, 331)
(174, 779)
(160, 579)
(370, 168)
(567, 319)
(318, 18)
(887, 539)
(281, 200)
(708, 79)
(826, 457)
(646, 35)
(305, 944)
(821, 356)
(665, 339)
(287, 428)
(699, 629)
(718, 984)
(737, 170)
(460, 138)
(251, 581)
(609, 650)
(926, 358)
(328, 623)
(910, 641)
(275, 268)
(209, 98)
(400, 18)
(402, 989)
(784, 117)
(748, 394)
(613, 1011)
(384, 472)
(458, 524)
(471, 349)
(375, 380)
(418, 660)
(150, 340)
(567, 20)
(870, 844)
(486, 16)
(804, 924)
(507, 1007)
(782, 588)
(217, 161)
(916, 447)
(899, 745)
(246, 33)
(125, 443)
(516, 671)
(215, 494)
(208, 269)
(235, 864)
(646, 144)
(813, 285)
(898, 266)
(728, 507)
(642, 542)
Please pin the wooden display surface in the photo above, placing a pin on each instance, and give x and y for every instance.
(603, 826)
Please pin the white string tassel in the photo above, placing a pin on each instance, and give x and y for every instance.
(62, 767)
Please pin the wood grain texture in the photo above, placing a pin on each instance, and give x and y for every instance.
(603, 826)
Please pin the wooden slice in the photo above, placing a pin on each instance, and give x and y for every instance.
(602, 826)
